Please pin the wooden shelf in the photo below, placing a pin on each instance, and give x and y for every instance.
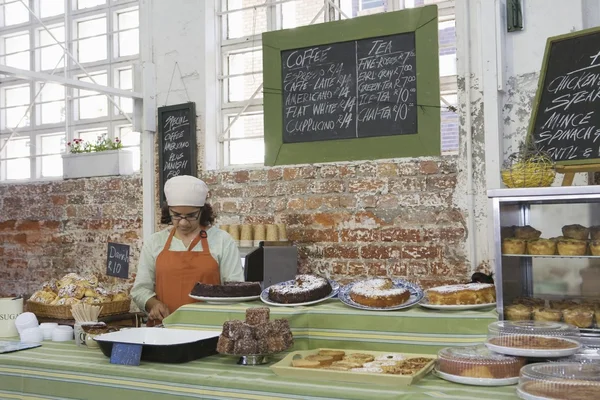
(547, 256)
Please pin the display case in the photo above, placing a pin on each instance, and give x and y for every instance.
(558, 284)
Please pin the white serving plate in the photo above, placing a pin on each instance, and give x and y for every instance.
(477, 381)
(536, 353)
(264, 296)
(455, 307)
(156, 336)
(224, 300)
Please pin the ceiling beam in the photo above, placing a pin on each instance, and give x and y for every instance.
(76, 83)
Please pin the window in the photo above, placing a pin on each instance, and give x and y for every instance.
(240, 66)
(104, 37)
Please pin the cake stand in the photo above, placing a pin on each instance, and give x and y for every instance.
(251, 359)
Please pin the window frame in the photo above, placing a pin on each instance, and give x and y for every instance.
(273, 9)
(35, 131)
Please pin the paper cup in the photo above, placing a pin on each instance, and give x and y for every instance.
(224, 228)
(281, 232)
(234, 231)
(246, 232)
(272, 235)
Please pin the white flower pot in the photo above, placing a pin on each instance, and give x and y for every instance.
(102, 163)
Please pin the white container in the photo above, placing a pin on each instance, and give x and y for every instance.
(47, 329)
(9, 311)
(26, 320)
(32, 335)
(62, 333)
(102, 163)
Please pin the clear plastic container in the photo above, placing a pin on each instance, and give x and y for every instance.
(560, 381)
(585, 355)
(533, 338)
(478, 362)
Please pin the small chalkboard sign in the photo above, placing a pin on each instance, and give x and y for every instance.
(176, 142)
(126, 354)
(117, 260)
(355, 89)
(566, 114)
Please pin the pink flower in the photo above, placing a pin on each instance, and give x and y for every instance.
(117, 140)
(68, 143)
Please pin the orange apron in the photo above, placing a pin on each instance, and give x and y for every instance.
(178, 271)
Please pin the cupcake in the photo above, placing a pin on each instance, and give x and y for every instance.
(541, 247)
(571, 247)
(547, 314)
(581, 317)
(513, 246)
(517, 312)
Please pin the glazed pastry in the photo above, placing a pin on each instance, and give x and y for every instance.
(42, 296)
(65, 301)
(581, 317)
(571, 247)
(518, 312)
(547, 314)
(595, 247)
(527, 232)
(576, 231)
(595, 232)
(541, 247)
(72, 290)
(513, 246)
(360, 357)
(51, 286)
(120, 296)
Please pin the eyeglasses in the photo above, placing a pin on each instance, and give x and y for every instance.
(188, 217)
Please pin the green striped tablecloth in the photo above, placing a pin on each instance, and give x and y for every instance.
(335, 325)
(65, 371)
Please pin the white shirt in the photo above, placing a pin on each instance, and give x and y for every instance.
(222, 248)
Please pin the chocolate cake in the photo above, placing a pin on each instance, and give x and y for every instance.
(227, 289)
(305, 288)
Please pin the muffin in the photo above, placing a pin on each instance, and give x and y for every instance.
(581, 317)
(547, 314)
(517, 312)
(576, 231)
(571, 247)
(513, 246)
(595, 247)
(527, 232)
(541, 247)
(595, 232)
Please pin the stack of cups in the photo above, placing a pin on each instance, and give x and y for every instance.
(246, 236)
(272, 235)
(260, 234)
(282, 233)
(29, 328)
(234, 231)
(224, 228)
(47, 329)
(62, 333)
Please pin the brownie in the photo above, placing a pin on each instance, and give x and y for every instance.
(227, 289)
(257, 315)
(263, 346)
(263, 330)
(246, 347)
(225, 345)
(307, 288)
(230, 327)
(275, 344)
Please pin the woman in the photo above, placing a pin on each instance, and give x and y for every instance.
(173, 260)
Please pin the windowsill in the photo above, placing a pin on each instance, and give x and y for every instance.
(13, 182)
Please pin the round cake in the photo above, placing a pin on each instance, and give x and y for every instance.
(470, 293)
(228, 289)
(305, 288)
(378, 293)
(478, 362)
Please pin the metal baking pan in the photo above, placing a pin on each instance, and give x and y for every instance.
(164, 345)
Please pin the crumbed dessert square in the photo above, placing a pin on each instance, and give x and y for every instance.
(257, 315)
(225, 345)
(246, 346)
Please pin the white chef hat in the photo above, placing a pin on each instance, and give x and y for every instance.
(185, 190)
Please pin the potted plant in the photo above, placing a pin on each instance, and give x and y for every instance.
(105, 157)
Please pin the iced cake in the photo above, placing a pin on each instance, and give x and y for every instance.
(304, 289)
(227, 289)
(470, 293)
(378, 293)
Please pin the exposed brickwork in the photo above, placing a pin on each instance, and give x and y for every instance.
(384, 218)
(50, 229)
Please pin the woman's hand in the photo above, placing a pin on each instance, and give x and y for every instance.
(157, 310)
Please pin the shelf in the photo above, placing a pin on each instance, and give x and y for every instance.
(546, 191)
(548, 256)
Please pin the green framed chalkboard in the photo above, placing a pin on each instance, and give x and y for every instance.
(565, 121)
(357, 89)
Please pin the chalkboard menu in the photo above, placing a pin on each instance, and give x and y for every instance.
(354, 89)
(567, 110)
(117, 260)
(177, 142)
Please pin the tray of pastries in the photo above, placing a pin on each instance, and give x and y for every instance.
(460, 297)
(381, 294)
(559, 381)
(374, 367)
(57, 296)
(582, 313)
(576, 241)
(533, 339)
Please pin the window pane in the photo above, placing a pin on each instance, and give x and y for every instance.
(18, 169)
(17, 43)
(51, 58)
(53, 113)
(91, 27)
(129, 138)
(15, 13)
(125, 81)
(247, 22)
(14, 116)
(89, 3)
(251, 151)
(302, 12)
(129, 43)
(242, 87)
(52, 91)
(93, 49)
(17, 99)
(92, 136)
(51, 166)
(17, 96)
(246, 125)
(49, 8)
(129, 19)
(52, 144)
(93, 105)
(46, 38)
(17, 148)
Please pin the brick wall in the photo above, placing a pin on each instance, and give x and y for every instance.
(387, 218)
(52, 228)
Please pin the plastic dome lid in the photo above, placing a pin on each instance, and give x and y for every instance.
(561, 380)
(537, 328)
(479, 354)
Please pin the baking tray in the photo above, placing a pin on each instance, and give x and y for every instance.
(284, 368)
(163, 345)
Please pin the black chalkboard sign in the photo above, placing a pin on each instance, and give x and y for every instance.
(566, 122)
(360, 88)
(117, 260)
(176, 142)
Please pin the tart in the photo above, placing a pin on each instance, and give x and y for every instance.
(518, 312)
(581, 317)
(378, 293)
(540, 247)
(595, 247)
(478, 362)
(571, 247)
(576, 231)
(471, 293)
(547, 314)
(513, 246)
(527, 232)
(571, 390)
(533, 342)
